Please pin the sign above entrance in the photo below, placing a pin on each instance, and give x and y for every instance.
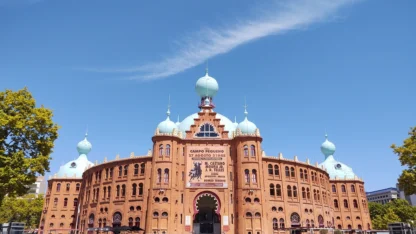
(206, 167)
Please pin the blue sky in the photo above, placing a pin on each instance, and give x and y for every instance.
(345, 67)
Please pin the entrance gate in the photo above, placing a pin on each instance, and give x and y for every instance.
(206, 218)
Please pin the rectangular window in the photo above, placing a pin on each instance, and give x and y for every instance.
(231, 176)
(181, 218)
(182, 198)
(183, 176)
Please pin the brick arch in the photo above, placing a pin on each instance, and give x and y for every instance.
(207, 193)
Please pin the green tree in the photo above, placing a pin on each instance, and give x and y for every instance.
(380, 222)
(402, 209)
(27, 209)
(407, 157)
(27, 135)
(376, 209)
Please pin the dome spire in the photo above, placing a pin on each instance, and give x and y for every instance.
(168, 112)
(246, 127)
(245, 107)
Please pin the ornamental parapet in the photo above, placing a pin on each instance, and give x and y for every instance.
(238, 132)
(174, 132)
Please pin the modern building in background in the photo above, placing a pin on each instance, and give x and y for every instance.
(409, 198)
(205, 174)
(383, 196)
(39, 187)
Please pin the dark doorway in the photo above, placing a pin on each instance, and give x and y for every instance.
(207, 221)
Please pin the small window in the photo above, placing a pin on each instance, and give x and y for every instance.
(249, 215)
(207, 130)
(155, 214)
(165, 214)
(270, 169)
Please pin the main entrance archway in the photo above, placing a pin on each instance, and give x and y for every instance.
(207, 214)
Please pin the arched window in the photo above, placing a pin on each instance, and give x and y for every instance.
(295, 191)
(274, 208)
(109, 192)
(142, 168)
(270, 169)
(159, 175)
(207, 130)
(254, 176)
(77, 187)
(104, 222)
(130, 222)
(276, 170)
(359, 227)
(345, 203)
(249, 215)
(100, 222)
(248, 200)
(256, 200)
(165, 214)
(140, 189)
(339, 226)
(312, 223)
(65, 202)
(167, 150)
(334, 189)
(280, 209)
(117, 219)
(305, 174)
(303, 193)
(358, 217)
(166, 176)
(165, 199)
(321, 221)
(336, 203)
(289, 191)
(355, 203)
(313, 176)
(278, 190)
(301, 173)
(155, 214)
(138, 208)
(160, 150)
(55, 202)
(352, 188)
(118, 191)
(75, 202)
(245, 148)
(275, 224)
(58, 187)
(314, 195)
(137, 222)
(136, 169)
(308, 193)
(349, 226)
(131, 208)
(257, 214)
(287, 172)
(120, 171)
(134, 189)
(272, 190)
(126, 169)
(105, 191)
(68, 187)
(292, 172)
(253, 150)
(91, 220)
(308, 225)
(368, 226)
(51, 225)
(247, 175)
(123, 190)
(282, 223)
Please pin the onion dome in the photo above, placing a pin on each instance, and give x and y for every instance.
(168, 125)
(327, 148)
(76, 167)
(247, 127)
(84, 146)
(206, 86)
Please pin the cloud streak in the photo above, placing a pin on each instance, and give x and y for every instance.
(202, 45)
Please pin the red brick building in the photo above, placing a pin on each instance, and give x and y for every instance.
(205, 174)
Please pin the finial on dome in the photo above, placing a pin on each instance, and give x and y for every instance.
(245, 107)
(168, 112)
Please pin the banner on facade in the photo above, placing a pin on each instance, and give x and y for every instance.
(206, 167)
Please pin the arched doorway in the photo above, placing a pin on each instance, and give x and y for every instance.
(206, 216)
(117, 219)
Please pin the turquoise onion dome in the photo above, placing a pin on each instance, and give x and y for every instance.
(168, 125)
(247, 127)
(327, 148)
(206, 86)
(84, 146)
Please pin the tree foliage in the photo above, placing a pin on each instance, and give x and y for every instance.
(407, 157)
(398, 210)
(27, 209)
(27, 135)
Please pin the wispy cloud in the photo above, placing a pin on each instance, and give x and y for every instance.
(200, 46)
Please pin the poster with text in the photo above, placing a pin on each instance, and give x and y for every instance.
(206, 167)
